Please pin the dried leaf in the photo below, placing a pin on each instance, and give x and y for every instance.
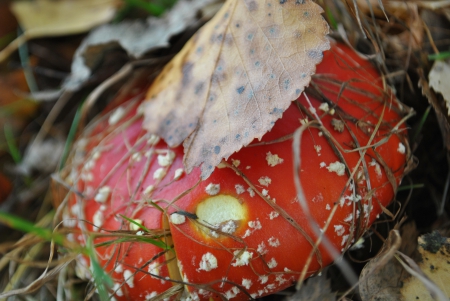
(382, 277)
(315, 289)
(45, 18)
(236, 77)
(442, 118)
(435, 264)
(379, 278)
(438, 80)
(42, 156)
(55, 18)
(135, 37)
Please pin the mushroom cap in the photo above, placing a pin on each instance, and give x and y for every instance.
(112, 170)
(247, 230)
(251, 235)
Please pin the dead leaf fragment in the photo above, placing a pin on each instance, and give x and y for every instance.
(45, 18)
(438, 106)
(54, 18)
(135, 37)
(383, 276)
(438, 80)
(41, 156)
(435, 264)
(317, 288)
(236, 77)
(379, 278)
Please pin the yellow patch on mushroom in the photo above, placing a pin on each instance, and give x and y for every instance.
(219, 209)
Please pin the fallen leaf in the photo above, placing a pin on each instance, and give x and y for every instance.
(135, 37)
(315, 289)
(46, 18)
(236, 77)
(435, 264)
(383, 276)
(438, 80)
(41, 156)
(439, 108)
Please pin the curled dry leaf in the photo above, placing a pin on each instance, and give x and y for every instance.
(42, 156)
(442, 117)
(315, 289)
(135, 37)
(383, 276)
(236, 77)
(438, 80)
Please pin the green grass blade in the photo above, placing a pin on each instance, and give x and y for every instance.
(135, 223)
(409, 187)
(331, 18)
(142, 239)
(6, 39)
(70, 137)
(419, 128)
(20, 224)
(13, 149)
(439, 56)
(102, 280)
(154, 242)
(151, 203)
(150, 8)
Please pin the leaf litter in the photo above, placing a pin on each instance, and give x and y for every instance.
(235, 78)
(316, 288)
(136, 37)
(46, 18)
(438, 80)
(382, 277)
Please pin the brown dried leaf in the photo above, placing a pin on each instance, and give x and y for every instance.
(383, 276)
(136, 37)
(439, 108)
(46, 18)
(438, 80)
(379, 278)
(315, 289)
(55, 18)
(236, 77)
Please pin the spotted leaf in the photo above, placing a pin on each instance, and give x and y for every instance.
(236, 77)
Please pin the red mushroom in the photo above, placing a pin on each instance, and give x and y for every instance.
(244, 231)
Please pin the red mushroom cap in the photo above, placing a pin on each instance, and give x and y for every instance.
(247, 230)
(113, 171)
